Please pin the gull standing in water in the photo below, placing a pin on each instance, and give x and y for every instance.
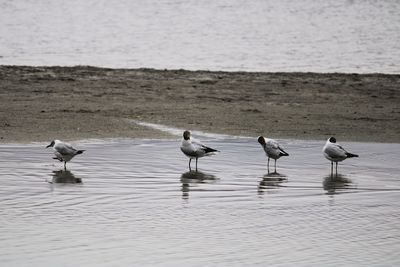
(64, 152)
(272, 149)
(335, 153)
(193, 149)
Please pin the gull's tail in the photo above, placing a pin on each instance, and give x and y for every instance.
(209, 149)
(79, 152)
(283, 152)
(350, 155)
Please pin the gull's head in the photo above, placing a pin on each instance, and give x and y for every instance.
(51, 144)
(261, 140)
(186, 135)
(332, 140)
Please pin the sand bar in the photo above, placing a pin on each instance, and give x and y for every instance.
(70, 103)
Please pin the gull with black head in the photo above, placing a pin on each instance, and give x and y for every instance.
(335, 152)
(272, 149)
(64, 152)
(194, 149)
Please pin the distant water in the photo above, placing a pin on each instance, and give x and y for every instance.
(260, 35)
(134, 203)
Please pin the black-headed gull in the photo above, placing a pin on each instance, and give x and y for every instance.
(335, 153)
(272, 149)
(194, 149)
(64, 152)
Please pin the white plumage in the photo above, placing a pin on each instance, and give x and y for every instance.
(194, 149)
(64, 152)
(335, 152)
(272, 149)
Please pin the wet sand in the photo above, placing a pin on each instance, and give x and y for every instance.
(43, 103)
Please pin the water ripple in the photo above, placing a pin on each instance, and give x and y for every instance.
(133, 205)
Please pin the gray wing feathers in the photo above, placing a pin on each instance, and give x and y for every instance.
(65, 149)
(335, 151)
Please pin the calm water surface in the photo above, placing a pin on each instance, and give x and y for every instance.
(259, 35)
(134, 203)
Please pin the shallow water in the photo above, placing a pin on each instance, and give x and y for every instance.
(258, 35)
(134, 202)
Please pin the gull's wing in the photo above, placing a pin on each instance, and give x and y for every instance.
(208, 149)
(198, 145)
(65, 149)
(273, 147)
(335, 151)
(272, 144)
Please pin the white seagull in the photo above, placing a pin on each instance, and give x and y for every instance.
(335, 153)
(193, 149)
(64, 152)
(272, 149)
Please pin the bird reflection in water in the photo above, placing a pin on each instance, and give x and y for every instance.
(331, 183)
(191, 178)
(65, 177)
(271, 181)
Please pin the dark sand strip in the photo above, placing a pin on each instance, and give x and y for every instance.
(43, 103)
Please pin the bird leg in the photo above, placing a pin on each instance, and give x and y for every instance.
(190, 160)
(196, 164)
(65, 165)
(275, 165)
(268, 165)
(336, 168)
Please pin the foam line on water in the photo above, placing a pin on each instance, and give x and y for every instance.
(179, 131)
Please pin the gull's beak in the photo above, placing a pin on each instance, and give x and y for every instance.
(51, 144)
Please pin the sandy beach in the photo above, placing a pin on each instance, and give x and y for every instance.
(71, 103)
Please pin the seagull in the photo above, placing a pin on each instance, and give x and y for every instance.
(193, 149)
(335, 153)
(272, 149)
(64, 152)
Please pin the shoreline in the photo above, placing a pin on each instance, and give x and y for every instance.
(82, 102)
